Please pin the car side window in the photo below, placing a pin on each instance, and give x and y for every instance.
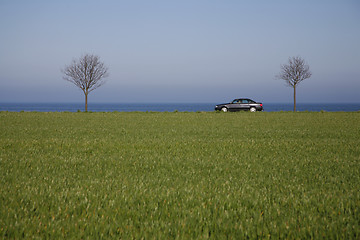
(245, 101)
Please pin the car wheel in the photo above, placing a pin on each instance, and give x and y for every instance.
(224, 109)
(252, 109)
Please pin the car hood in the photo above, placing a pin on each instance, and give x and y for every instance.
(222, 104)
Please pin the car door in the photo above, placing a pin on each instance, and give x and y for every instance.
(244, 105)
(235, 105)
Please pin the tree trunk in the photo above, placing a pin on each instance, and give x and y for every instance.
(294, 98)
(86, 97)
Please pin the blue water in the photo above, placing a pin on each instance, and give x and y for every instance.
(167, 107)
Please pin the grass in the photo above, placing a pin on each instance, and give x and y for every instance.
(180, 175)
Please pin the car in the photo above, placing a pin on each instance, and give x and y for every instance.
(240, 104)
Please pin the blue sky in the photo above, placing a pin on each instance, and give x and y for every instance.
(180, 51)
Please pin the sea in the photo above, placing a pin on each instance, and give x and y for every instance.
(169, 107)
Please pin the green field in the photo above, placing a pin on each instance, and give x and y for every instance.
(180, 175)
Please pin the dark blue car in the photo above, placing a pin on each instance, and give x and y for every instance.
(240, 104)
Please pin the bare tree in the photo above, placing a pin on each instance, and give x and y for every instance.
(87, 73)
(294, 73)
